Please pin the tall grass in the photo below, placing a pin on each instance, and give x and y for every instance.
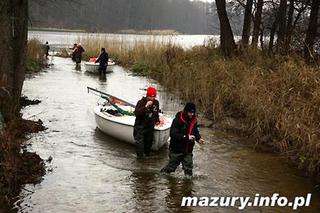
(125, 52)
(35, 56)
(272, 97)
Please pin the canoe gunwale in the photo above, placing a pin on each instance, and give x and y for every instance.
(106, 115)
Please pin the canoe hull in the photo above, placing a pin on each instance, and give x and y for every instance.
(124, 131)
(94, 68)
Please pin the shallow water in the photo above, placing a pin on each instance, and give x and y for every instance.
(92, 172)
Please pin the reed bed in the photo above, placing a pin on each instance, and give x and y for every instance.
(35, 56)
(125, 52)
(273, 97)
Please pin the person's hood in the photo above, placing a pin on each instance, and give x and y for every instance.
(185, 117)
(178, 114)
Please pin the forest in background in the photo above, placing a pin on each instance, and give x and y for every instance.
(183, 16)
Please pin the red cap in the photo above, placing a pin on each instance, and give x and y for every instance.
(151, 92)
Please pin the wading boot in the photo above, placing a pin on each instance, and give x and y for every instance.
(139, 156)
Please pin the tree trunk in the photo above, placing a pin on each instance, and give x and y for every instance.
(282, 25)
(227, 43)
(261, 40)
(300, 12)
(312, 30)
(247, 23)
(13, 30)
(257, 23)
(289, 25)
(272, 33)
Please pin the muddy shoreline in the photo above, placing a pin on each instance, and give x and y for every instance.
(19, 166)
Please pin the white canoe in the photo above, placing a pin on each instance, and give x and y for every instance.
(121, 127)
(94, 67)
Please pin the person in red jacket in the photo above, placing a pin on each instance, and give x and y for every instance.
(147, 116)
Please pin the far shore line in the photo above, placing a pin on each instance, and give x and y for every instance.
(124, 32)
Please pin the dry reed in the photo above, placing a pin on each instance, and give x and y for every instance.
(35, 55)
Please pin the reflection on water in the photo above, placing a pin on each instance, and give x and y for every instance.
(78, 67)
(93, 172)
(103, 77)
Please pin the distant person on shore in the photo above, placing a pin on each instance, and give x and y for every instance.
(183, 134)
(147, 116)
(47, 48)
(78, 53)
(74, 48)
(103, 61)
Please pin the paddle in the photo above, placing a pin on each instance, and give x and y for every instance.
(111, 102)
(106, 94)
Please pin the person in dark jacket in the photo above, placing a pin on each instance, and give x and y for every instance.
(74, 49)
(47, 48)
(147, 116)
(103, 61)
(78, 53)
(183, 135)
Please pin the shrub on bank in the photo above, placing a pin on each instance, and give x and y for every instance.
(35, 56)
(140, 68)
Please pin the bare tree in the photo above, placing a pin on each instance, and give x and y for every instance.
(289, 24)
(274, 27)
(13, 30)
(257, 23)
(282, 18)
(14, 33)
(227, 43)
(312, 30)
(247, 23)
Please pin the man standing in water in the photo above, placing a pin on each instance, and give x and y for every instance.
(74, 49)
(78, 54)
(103, 59)
(47, 48)
(183, 134)
(147, 116)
